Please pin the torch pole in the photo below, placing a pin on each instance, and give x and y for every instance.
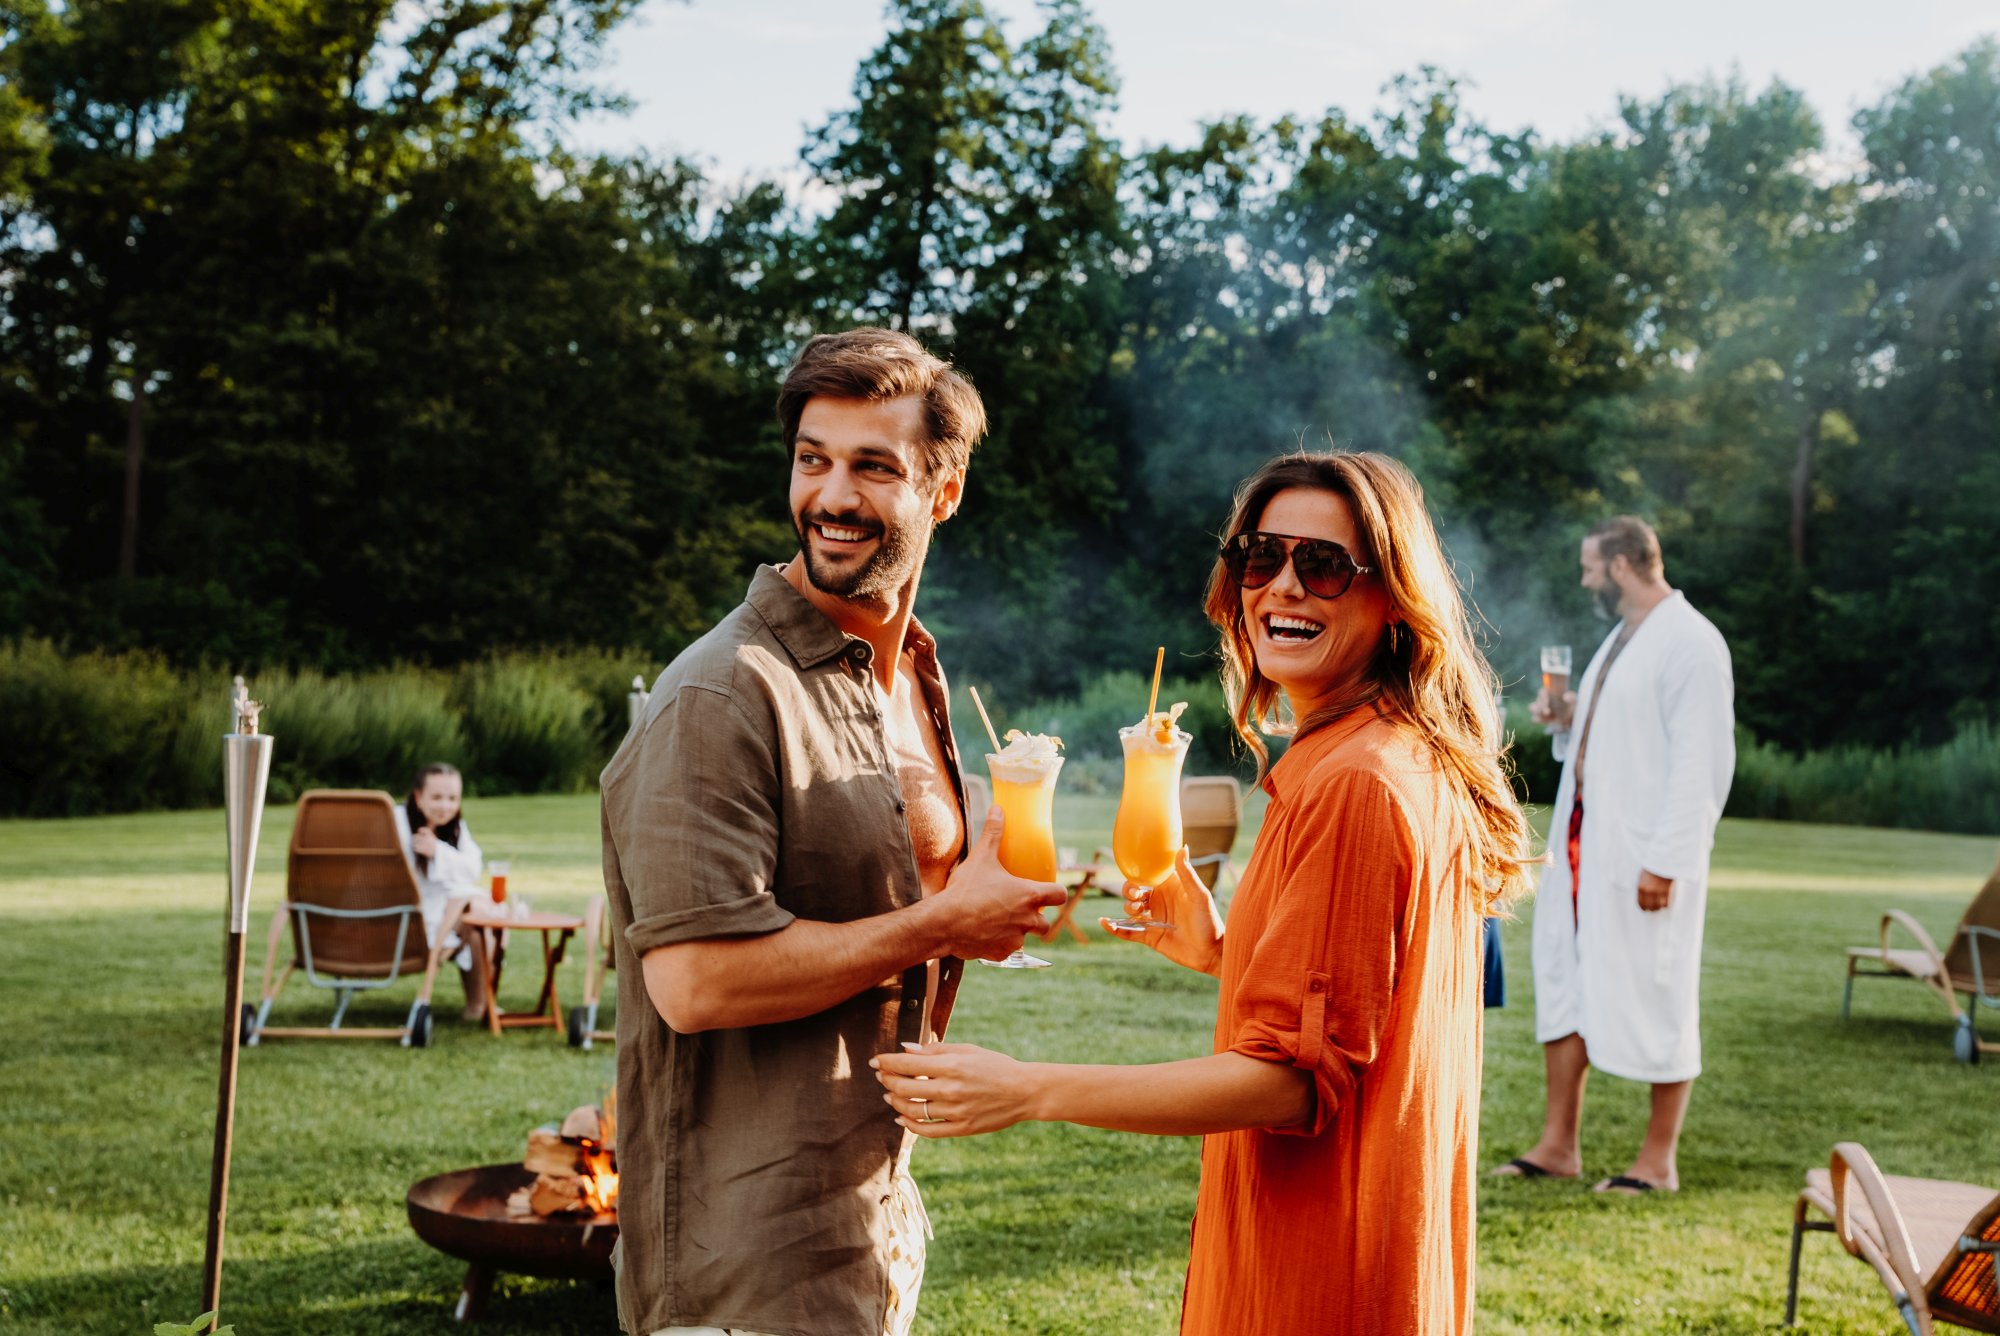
(225, 1126)
(246, 767)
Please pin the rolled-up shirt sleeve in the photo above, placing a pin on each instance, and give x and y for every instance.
(693, 821)
(1317, 990)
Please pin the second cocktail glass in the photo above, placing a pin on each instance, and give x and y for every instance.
(1024, 788)
(1146, 838)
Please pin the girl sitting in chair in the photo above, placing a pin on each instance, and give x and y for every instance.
(446, 859)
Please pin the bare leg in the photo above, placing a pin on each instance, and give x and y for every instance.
(475, 991)
(1655, 1163)
(1560, 1152)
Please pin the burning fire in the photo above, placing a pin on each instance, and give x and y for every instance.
(575, 1167)
(600, 1161)
(600, 1178)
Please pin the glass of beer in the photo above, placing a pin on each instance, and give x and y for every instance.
(1556, 661)
(498, 868)
(1024, 787)
(1146, 836)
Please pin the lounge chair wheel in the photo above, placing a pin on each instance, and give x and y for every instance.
(1965, 1041)
(579, 1027)
(246, 1024)
(420, 1026)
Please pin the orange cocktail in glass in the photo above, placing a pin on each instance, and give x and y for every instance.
(1147, 834)
(1024, 787)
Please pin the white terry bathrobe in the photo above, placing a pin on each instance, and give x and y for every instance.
(1656, 770)
(455, 873)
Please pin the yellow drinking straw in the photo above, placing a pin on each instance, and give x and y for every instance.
(1152, 701)
(991, 736)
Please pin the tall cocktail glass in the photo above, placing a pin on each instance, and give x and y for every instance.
(1024, 787)
(1146, 836)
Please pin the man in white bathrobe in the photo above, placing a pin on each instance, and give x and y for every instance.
(1648, 746)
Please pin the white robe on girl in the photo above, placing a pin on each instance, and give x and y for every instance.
(1657, 768)
(455, 872)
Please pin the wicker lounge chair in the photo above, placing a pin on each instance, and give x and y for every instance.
(1211, 809)
(357, 923)
(1933, 1242)
(1970, 965)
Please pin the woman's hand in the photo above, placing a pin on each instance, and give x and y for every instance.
(425, 843)
(954, 1090)
(1195, 937)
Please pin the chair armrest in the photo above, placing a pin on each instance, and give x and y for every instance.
(280, 917)
(1916, 930)
(1899, 1270)
(1973, 932)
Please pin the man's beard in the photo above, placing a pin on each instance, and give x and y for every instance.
(1604, 599)
(898, 553)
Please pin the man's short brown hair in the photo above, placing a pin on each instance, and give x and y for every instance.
(1632, 538)
(878, 364)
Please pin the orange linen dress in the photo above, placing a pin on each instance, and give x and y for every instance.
(1352, 952)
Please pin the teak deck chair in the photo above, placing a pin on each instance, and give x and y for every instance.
(357, 923)
(978, 801)
(1211, 809)
(600, 957)
(1971, 965)
(1932, 1241)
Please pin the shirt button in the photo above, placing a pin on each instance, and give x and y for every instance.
(901, 806)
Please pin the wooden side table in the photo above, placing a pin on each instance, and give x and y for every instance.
(1086, 875)
(487, 930)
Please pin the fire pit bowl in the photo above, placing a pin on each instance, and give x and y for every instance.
(464, 1214)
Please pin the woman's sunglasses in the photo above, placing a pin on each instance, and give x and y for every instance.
(1253, 560)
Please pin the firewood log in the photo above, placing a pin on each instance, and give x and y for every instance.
(548, 1153)
(584, 1122)
(558, 1193)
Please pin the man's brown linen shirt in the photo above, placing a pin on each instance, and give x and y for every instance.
(755, 1164)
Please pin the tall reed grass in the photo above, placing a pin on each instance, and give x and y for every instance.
(93, 733)
(1953, 787)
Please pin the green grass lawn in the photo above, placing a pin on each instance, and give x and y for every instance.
(110, 946)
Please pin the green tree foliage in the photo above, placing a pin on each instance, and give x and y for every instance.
(978, 207)
(319, 348)
(406, 379)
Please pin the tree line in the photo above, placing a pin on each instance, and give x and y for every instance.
(321, 347)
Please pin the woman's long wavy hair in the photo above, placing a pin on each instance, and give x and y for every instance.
(1427, 671)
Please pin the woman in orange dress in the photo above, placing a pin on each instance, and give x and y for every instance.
(1340, 1107)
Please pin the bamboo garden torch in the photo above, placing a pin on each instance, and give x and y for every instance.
(246, 766)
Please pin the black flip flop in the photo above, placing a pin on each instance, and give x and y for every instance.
(1525, 1169)
(1624, 1183)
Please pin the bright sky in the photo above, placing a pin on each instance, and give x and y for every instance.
(737, 82)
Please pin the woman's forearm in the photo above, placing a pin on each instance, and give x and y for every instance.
(1224, 1092)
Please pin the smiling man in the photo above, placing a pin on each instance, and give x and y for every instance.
(787, 856)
